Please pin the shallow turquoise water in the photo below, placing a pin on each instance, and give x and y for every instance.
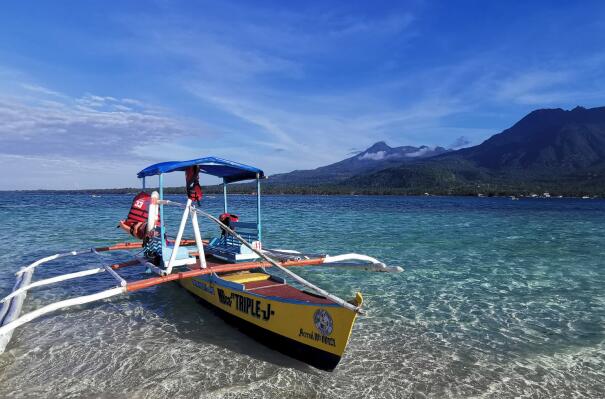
(499, 298)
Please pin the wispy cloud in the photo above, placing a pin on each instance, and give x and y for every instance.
(568, 81)
(87, 127)
(460, 142)
(525, 87)
(233, 71)
(353, 25)
(373, 156)
(40, 89)
(421, 151)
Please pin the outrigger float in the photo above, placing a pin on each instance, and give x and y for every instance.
(232, 272)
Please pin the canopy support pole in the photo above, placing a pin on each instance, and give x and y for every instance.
(258, 221)
(162, 219)
(224, 196)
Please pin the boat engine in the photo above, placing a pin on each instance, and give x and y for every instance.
(226, 219)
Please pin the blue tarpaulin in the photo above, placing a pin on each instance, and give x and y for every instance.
(228, 170)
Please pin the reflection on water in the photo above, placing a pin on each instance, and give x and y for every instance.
(499, 299)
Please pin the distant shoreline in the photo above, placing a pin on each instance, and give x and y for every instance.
(244, 189)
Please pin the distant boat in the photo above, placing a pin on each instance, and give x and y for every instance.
(546, 195)
(512, 197)
(585, 197)
(95, 196)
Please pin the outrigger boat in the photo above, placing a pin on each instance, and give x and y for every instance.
(232, 273)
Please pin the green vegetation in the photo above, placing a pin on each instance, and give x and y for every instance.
(446, 186)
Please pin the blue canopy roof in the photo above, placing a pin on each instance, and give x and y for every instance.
(230, 171)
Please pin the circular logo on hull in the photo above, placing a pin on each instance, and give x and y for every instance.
(323, 322)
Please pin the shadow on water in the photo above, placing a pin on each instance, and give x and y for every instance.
(186, 317)
(191, 318)
(184, 311)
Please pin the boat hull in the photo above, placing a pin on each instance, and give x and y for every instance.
(315, 333)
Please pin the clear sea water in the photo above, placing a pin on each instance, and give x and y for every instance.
(499, 299)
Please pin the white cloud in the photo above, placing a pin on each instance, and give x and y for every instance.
(422, 151)
(373, 156)
(88, 127)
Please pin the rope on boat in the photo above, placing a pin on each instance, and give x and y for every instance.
(296, 277)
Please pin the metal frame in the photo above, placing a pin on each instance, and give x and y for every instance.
(173, 262)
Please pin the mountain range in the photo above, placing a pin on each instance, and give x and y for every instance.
(553, 150)
(378, 157)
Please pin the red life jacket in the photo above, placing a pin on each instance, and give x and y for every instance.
(136, 221)
(192, 179)
(139, 210)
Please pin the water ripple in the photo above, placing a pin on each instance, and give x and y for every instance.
(499, 299)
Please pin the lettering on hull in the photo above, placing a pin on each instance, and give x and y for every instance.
(203, 286)
(317, 337)
(246, 305)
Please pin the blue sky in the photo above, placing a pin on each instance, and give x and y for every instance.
(92, 91)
